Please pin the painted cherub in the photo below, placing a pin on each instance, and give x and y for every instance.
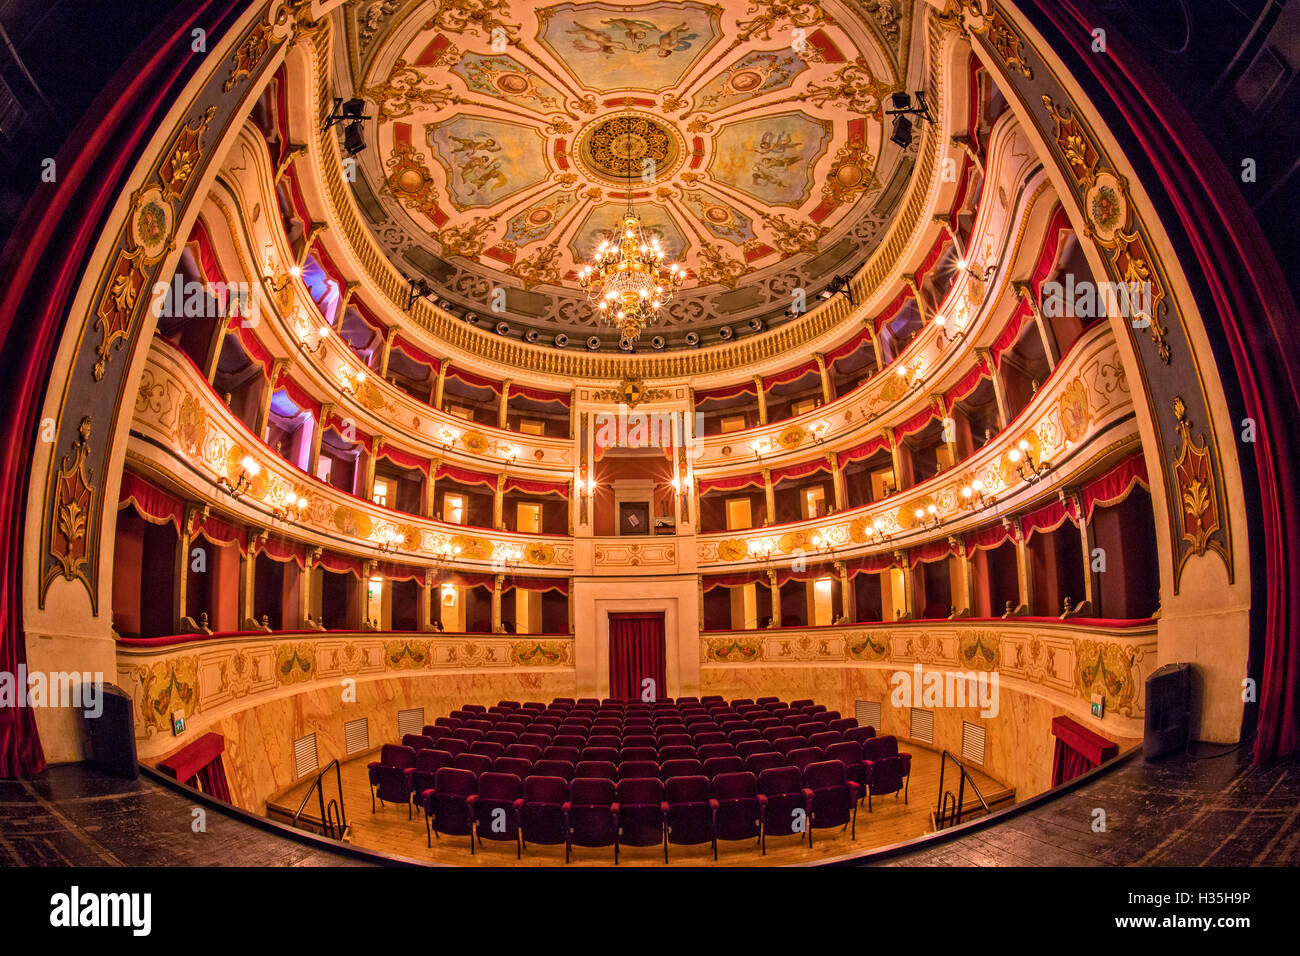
(676, 40)
(480, 141)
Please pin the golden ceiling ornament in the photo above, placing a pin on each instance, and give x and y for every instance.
(631, 392)
(628, 282)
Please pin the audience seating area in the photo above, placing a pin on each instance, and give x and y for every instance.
(614, 773)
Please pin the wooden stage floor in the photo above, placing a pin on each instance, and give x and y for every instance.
(387, 830)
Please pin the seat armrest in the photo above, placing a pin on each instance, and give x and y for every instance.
(519, 804)
(714, 804)
(471, 800)
(762, 801)
(663, 806)
(854, 788)
(613, 807)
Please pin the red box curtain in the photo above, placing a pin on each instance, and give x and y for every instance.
(1078, 750)
(726, 391)
(987, 538)
(869, 564)
(801, 470)
(340, 563)
(466, 477)
(1115, 485)
(538, 584)
(281, 549)
(299, 396)
(1007, 337)
(199, 766)
(469, 378)
(636, 655)
(337, 422)
(917, 422)
(810, 573)
(217, 531)
(251, 343)
(540, 395)
(531, 487)
(405, 459)
(399, 572)
(847, 348)
(891, 310)
(790, 374)
(732, 483)
(967, 384)
(863, 451)
(151, 503)
(734, 580)
(1046, 519)
(209, 267)
(417, 353)
(930, 551)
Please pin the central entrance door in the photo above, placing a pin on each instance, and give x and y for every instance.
(637, 655)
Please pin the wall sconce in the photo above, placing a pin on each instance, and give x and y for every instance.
(821, 541)
(972, 496)
(927, 517)
(390, 540)
(760, 447)
(1022, 456)
(819, 431)
(507, 556)
(292, 510)
(444, 552)
(942, 322)
(911, 376)
(760, 549)
(352, 382)
(448, 436)
(278, 285)
(248, 470)
(504, 449)
(304, 341)
(983, 276)
(876, 532)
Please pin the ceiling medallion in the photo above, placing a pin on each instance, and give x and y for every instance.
(630, 145)
(628, 281)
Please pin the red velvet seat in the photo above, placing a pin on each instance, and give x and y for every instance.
(418, 742)
(554, 768)
(487, 748)
(513, 765)
(474, 763)
(680, 768)
(555, 752)
(739, 806)
(677, 753)
(640, 812)
(525, 752)
(849, 753)
(787, 802)
(842, 724)
(832, 798)
(639, 753)
(498, 807)
(638, 768)
(803, 756)
(714, 766)
(543, 814)
(449, 806)
(689, 813)
(824, 739)
(888, 770)
(709, 751)
(596, 768)
(592, 819)
(860, 734)
(767, 760)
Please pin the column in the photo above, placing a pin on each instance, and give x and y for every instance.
(1091, 578)
(430, 489)
(363, 594)
(264, 411)
(769, 497)
(247, 578)
(326, 409)
(1049, 345)
(570, 603)
(368, 473)
(426, 602)
(837, 480)
(999, 391)
(776, 598)
(313, 233)
(695, 501)
(497, 581)
(967, 577)
(848, 602)
(910, 281)
(504, 411)
(963, 142)
(340, 310)
(875, 344)
(896, 459)
(909, 585)
(305, 577)
(948, 434)
(442, 381)
(762, 400)
(181, 576)
(1024, 569)
(498, 503)
(213, 355)
(827, 397)
(385, 351)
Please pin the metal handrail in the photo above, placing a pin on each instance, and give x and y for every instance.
(327, 821)
(941, 811)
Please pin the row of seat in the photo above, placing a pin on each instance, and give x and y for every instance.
(597, 812)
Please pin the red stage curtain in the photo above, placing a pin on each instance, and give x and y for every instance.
(469, 378)
(337, 422)
(282, 549)
(636, 652)
(917, 422)
(217, 531)
(404, 459)
(1078, 750)
(1047, 518)
(299, 396)
(891, 310)
(870, 564)
(1115, 485)
(931, 551)
(340, 564)
(538, 584)
(986, 538)
(1011, 332)
(967, 384)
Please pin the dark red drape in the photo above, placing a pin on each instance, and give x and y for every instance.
(636, 652)
(1078, 749)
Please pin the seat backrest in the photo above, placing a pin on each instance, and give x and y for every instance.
(703, 737)
(782, 732)
(675, 739)
(847, 752)
(640, 791)
(679, 790)
(435, 732)
(514, 765)
(542, 789)
(710, 699)
(483, 725)
(487, 748)
(453, 781)
(780, 780)
(761, 701)
(639, 740)
(824, 773)
(874, 748)
(392, 755)
(450, 722)
(677, 753)
(639, 753)
(553, 768)
(499, 786)
(474, 708)
(533, 740)
(842, 724)
(503, 737)
(860, 734)
(591, 791)
(453, 745)
(569, 740)
(467, 734)
(710, 751)
(807, 729)
(474, 763)
(599, 753)
(742, 702)
(561, 753)
(804, 756)
(735, 786)
(824, 739)
(764, 761)
(432, 761)
(802, 702)
(748, 748)
(638, 768)
(680, 768)
(596, 768)
(524, 752)
(716, 765)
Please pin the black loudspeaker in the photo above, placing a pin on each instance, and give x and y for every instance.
(1169, 711)
(112, 734)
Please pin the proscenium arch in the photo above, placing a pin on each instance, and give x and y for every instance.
(77, 233)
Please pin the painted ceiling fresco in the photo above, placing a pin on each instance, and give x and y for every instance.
(509, 138)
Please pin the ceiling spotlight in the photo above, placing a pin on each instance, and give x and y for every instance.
(353, 113)
(839, 283)
(903, 108)
(417, 289)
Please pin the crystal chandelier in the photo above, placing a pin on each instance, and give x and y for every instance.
(628, 281)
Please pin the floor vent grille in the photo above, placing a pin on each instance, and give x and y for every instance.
(868, 713)
(305, 758)
(356, 736)
(922, 726)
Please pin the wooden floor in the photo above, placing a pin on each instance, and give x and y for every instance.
(892, 821)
